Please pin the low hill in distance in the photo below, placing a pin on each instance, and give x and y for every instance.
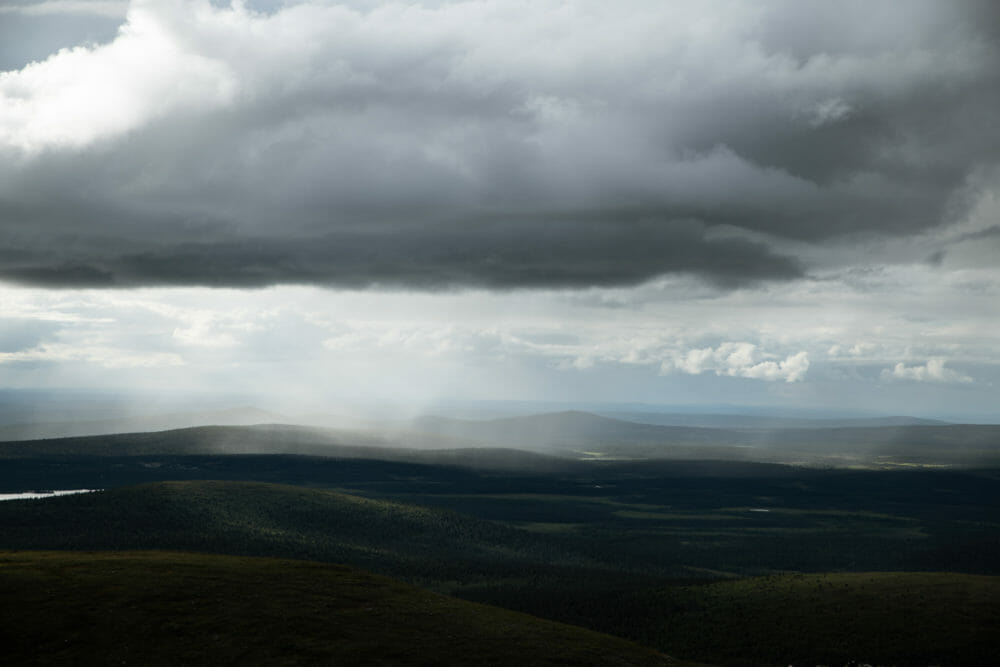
(84, 426)
(864, 442)
(272, 439)
(161, 608)
(723, 420)
(549, 441)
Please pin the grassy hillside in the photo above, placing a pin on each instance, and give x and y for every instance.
(172, 608)
(884, 618)
(156, 608)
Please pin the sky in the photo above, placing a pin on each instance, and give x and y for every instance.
(774, 204)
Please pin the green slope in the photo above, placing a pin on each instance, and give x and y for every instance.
(878, 618)
(157, 608)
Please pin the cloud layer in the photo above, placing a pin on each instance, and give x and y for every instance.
(495, 144)
(813, 344)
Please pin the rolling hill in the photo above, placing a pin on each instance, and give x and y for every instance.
(84, 426)
(571, 430)
(619, 556)
(739, 421)
(880, 442)
(246, 518)
(160, 608)
(283, 439)
(550, 442)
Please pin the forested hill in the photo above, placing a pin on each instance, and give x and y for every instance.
(248, 518)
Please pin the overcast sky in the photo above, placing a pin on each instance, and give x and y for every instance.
(787, 204)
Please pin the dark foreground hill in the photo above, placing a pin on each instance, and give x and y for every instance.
(875, 618)
(856, 618)
(159, 608)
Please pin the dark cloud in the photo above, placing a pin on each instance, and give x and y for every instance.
(418, 148)
(537, 253)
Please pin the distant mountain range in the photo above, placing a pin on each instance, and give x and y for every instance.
(763, 421)
(578, 431)
(34, 430)
(531, 442)
(35, 414)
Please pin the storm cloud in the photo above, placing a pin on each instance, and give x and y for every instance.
(495, 144)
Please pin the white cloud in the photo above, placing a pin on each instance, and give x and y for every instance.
(674, 58)
(738, 359)
(932, 371)
(81, 95)
(315, 344)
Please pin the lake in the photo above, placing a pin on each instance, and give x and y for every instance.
(43, 494)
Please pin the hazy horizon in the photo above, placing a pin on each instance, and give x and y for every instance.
(776, 207)
(39, 406)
